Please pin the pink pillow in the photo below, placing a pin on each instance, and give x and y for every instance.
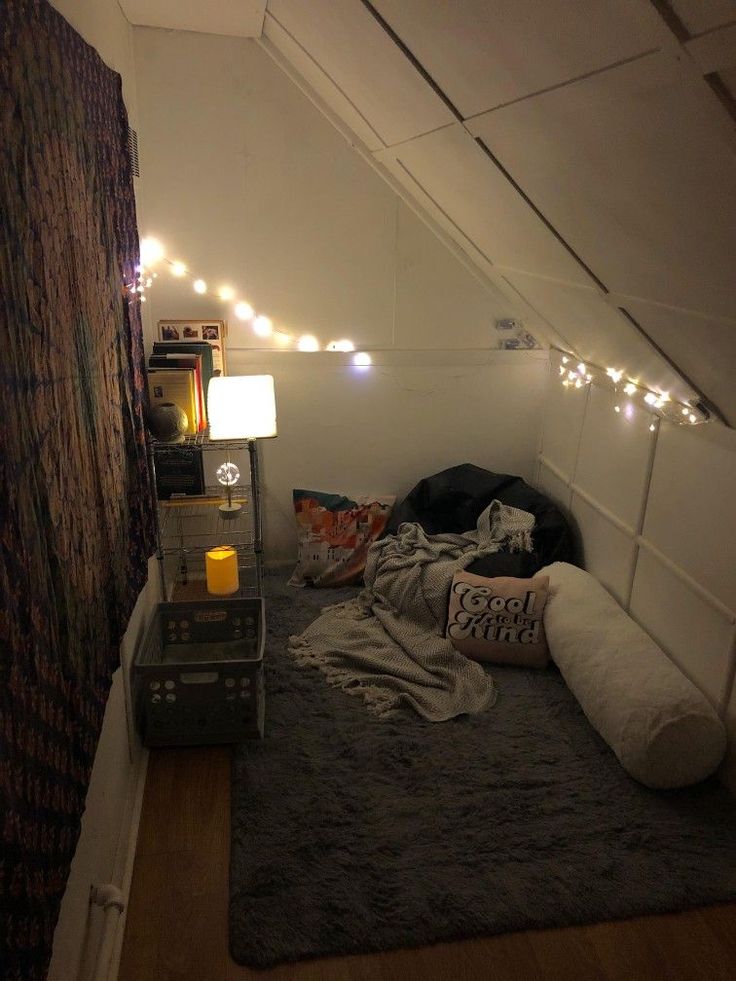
(499, 619)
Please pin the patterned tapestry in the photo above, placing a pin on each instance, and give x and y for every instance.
(75, 499)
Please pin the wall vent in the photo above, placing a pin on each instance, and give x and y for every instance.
(133, 151)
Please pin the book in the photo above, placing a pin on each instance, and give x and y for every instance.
(174, 385)
(186, 361)
(194, 347)
(214, 332)
(179, 470)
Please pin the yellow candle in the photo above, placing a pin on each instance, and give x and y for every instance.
(221, 566)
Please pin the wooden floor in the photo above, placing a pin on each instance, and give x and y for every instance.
(177, 920)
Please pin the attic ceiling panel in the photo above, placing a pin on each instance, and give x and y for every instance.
(484, 53)
(240, 18)
(704, 348)
(700, 16)
(636, 168)
(365, 65)
(458, 176)
(599, 333)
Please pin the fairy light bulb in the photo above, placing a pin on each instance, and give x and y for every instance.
(262, 326)
(362, 360)
(581, 368)
(178, 269)
(650, 398)
(629, 388)
(564, 359)
(307, 342)
(617, 408)
(652, 427)
(226, 293)
(151, 251)
(228, 475)
(199, 286)
(244, 311)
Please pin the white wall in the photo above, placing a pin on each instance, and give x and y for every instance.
(247, 182)
(350, 431)
(655, 511)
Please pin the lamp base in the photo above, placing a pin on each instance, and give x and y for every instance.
(228, 511)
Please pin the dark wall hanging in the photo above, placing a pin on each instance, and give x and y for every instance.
(75, 500)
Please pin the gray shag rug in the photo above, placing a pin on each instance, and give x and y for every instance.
(351, 834)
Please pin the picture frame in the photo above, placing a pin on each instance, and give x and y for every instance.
(213, 331)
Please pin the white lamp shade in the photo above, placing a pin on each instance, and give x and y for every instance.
(241, 407)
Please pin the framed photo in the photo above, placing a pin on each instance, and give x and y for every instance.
(214, 332)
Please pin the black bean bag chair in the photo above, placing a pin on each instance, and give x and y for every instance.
(451, 502)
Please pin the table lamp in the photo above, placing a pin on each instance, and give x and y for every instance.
(242, 407)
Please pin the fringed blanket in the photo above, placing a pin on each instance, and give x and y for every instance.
(387, 645)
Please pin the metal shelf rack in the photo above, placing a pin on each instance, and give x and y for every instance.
(187, 527)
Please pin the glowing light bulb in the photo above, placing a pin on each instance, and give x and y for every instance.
(244, 311)
(617, 408)
(581, 368)
(228, 474)
(262, 326)
(686, 411)
(652, 427)
(308, 343)
(615, 375)
(562, 369)
(566, 383)
(178, 269)
(650, 398)
(693, 417)
(151, 251)
(362, 360)
(565, 360)
(629, 388)
(226, 293)
(579, 383)
(199, 286)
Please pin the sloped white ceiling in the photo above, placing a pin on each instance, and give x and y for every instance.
(240, 18)
(574, 151)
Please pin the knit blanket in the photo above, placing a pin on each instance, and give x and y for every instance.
(387, 645)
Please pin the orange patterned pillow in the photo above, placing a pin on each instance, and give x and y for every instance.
(499, 619)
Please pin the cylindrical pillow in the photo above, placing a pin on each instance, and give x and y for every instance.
(660, 726)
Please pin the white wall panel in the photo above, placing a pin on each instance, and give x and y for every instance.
(240, 18)
(455, 172)
(703, 347)
(636, 168)
(483, 53)
(381, 430)
(613, 460)
(608, 554)
(695, 635)
(365, 64)
(703, 15)
(692, 505)
(557, 490)
(437, 297)
(563, 421)
(598, 331)
(243, 179)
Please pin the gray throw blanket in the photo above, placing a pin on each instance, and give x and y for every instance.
(387, 644)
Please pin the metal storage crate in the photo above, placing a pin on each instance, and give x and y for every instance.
(198, 677)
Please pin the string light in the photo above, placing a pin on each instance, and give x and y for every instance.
(244, 311)
(262, 326)
(362, 360)
(152, 251)
(660, 403)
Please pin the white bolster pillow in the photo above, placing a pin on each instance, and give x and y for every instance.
(660, 726)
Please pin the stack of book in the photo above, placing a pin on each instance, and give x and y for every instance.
(179, 372)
